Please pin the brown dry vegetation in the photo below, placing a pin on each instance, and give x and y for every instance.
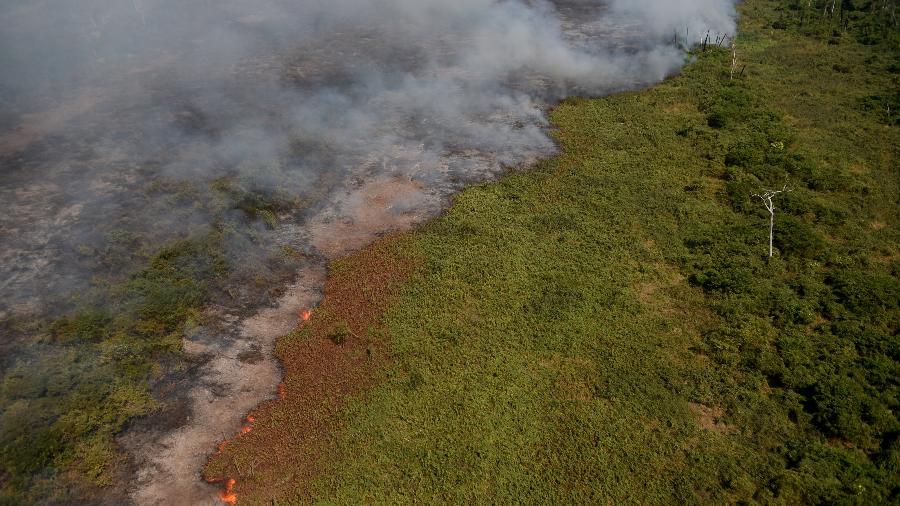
(331, 357)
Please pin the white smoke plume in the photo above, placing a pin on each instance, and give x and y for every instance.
(97, 96)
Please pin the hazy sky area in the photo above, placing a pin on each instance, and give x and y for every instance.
(99, 98)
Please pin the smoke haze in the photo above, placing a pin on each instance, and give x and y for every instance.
(364, 116)
(100, 96)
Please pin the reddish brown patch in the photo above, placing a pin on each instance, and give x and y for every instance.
(281, 456)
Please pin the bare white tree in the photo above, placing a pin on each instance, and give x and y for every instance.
(768, 196)
(733, 58)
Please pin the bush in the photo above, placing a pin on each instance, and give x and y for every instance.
(827, 180)
(743, 154)
(794, 237)
(838, 406)
(726, 277)
(867, 294)
(87, 325)
(786, 309)
(717, 119)
(339, 333)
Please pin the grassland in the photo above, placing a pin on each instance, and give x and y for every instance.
(608, 327)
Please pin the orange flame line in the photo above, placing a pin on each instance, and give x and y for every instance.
(227, 494)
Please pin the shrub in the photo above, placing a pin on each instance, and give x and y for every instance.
(87, 325)
(794, 237)
(743, 154)
(339, 332)
(824, 179)
(867, 294)
(726, 277)
(717, 119)
(786, 308)
(738, 193)
(838, 406)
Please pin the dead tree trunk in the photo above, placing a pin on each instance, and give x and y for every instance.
(768, 197)
(733, 58)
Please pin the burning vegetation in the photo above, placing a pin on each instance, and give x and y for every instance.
(319, 374)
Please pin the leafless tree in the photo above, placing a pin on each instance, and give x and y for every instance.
(733, 58)
(768, 196)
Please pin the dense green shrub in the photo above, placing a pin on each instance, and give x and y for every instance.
(743, 154)
(794, 236)
(866, 293)
(87, 325)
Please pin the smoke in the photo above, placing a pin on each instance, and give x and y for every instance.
(100, 97)
(680, 16)
(128, 124)
(118, 117)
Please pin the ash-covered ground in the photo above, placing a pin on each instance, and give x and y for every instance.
(120, 122)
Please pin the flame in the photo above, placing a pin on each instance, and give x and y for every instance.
(221, 446)
(305, 314)
(248, 426)
(281, 391)
(227, 495)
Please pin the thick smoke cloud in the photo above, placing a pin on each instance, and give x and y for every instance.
(100, 97)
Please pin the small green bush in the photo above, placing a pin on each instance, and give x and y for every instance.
(717, 119)
(793, 236)
(743, 154)
(339, 333)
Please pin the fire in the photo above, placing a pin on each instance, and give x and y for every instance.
(281, 391)
(305, 314)
(248, 427)
(227, 495)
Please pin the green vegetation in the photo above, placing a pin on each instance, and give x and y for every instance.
(82, 376)
(339, 333)
(88, 374)
(608, 328)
